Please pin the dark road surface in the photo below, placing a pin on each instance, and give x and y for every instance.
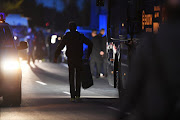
(45, 96)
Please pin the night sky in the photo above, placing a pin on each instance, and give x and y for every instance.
(60, 5)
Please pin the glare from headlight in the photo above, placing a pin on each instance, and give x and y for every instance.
(10, 65)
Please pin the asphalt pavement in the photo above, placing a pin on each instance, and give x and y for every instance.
(45, 96)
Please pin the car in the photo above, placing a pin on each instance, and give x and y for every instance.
(10, 70)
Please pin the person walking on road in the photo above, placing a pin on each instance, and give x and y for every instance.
(73, 40)
(30, 40)
(40, 46)
(104, 51)
(96, 59)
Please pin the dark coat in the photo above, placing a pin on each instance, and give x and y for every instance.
(153, 88)
(74, 43)
(97, 47)
(104, 46)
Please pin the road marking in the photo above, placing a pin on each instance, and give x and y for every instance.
(113, 108)
(67, 93)
(42, 83)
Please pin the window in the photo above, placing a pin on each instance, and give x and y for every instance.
(155, 27)
(148, 29)
(157, 8)
(156, 15)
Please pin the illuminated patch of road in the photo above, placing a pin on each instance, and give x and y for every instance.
(42, 83)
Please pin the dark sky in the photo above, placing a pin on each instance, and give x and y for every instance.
(58, 4)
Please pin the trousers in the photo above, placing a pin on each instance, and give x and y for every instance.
(30, 56)
(74, 71)
(105, 65)
(96, 65)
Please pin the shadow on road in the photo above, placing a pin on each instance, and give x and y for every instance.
(58, 108)
(35, 102)
(42, 74)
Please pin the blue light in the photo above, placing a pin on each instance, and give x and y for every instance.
(3, 16)
(103, 22)
(86, 33)
(16, 20)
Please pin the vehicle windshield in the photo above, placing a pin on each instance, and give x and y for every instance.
(6, 38)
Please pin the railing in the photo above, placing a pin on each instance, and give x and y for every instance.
(120, 60)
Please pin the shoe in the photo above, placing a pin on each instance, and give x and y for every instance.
(73, 100)
(78, 99)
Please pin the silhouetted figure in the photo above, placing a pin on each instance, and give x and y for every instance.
(131, 51)
(30, 40)
(104, 51)
(153, 88)
(40, 45)
(96, 58)
(73, 40)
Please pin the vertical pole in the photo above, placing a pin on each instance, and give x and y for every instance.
(116, 69)
(109, 21)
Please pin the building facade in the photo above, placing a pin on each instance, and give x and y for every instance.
(153, 14)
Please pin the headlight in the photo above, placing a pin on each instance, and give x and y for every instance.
(10, 65)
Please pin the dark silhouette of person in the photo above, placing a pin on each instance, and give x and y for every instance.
(74, 40)
(30, 40)
(96, 58)
(153, 88)
(104, 51)
(40, 45)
